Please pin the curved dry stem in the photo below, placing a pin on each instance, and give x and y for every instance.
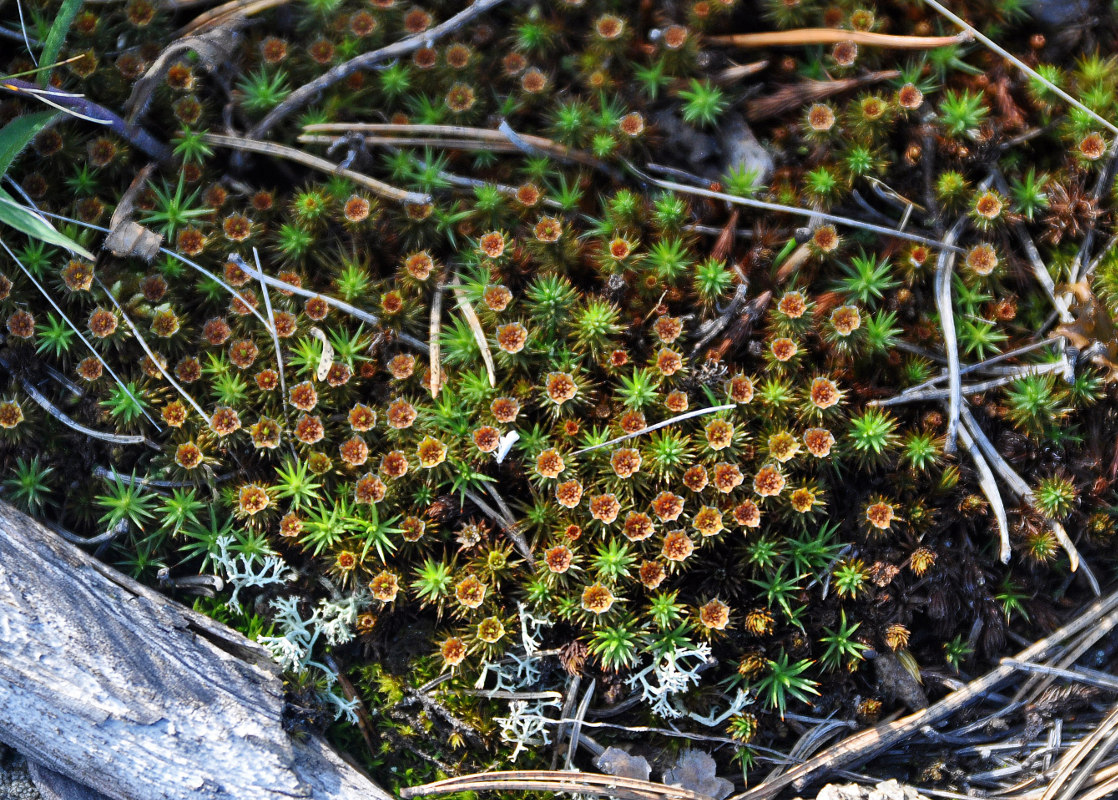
(314, 162)
(305, 93)
(801, 36)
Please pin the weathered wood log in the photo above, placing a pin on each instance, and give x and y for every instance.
(137, 697)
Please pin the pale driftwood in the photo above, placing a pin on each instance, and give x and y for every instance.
(118, 688)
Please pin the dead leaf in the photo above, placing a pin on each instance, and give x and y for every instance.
(129, 238)
(213, 47)
(326, 360)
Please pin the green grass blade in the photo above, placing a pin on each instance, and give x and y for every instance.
(18, 133)
(25, 220)
(57, 35)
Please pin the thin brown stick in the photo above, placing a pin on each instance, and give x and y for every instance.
(495, 137)
(801, 36)
(864, 744)
(307, 92)
(433, 328)
(314, 162)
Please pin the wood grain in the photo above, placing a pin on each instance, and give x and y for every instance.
(118, 688)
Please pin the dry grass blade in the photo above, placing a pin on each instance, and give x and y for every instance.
(798, 94)
(434, 326)
(223, 14)
(1099, 617)
(554, 781)
(989, 488)
(451, 135)
(1067, 768)
(58, 414)
(304, 94)
(802, 36)
(656, 427)
(379, 188)
(944, 265)
(127, 237)
(151, 354)
(475, 326)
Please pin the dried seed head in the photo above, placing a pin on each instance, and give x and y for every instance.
(605, 508)
(597, 599)
(568, 494)
(825, 240)
(316, 308)
(21, 324)
(678, 546)
(768, 482)
(715, 615)
(460, 98)
(558, 559)
(560, 387)
(824, 393)
(989, 205)
(252, 499)
(490, 630)
(708, 521)
(416, 21)
(844, 53)
(511, 338)
(384, 586)
(747, 514)
(102, 323)
(674, 37)
(394, 464)
(982, 259)
(470, 592)
(846, 320)
(625, 462)
(609, 27)
(497, 298)
(667, 506)
(431, 452)
(818, 442)
(695, 478)
(1092, 147)
(369, 489)
(549, 463)
(821, 117)
(505, 409)
(632, 124)
(308, 429)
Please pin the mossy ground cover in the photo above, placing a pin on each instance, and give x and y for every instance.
(534, 389)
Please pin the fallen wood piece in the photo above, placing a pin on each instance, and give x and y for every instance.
(134, 696)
